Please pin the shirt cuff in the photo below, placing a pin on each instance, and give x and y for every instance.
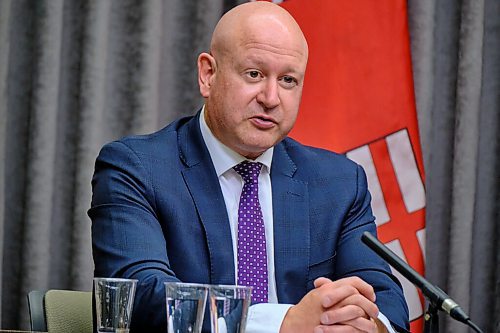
(386, 322)
(266, 317)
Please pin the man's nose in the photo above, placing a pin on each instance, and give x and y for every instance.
(269, 94)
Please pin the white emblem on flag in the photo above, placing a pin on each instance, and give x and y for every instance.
(406, 170)
(421, 241)
(363, 157)
(412, 191)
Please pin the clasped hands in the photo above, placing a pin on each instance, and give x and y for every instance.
(345, 305)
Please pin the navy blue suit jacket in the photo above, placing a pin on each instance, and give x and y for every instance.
(158, 214)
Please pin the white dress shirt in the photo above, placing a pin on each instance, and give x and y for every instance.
(263, 317)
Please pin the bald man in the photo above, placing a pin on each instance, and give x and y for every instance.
(166, 206)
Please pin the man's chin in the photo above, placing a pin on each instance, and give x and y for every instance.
(255, 150)
(251, 155)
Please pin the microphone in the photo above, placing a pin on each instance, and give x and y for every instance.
(436, 296)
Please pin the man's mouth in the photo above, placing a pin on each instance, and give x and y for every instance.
(263, 122)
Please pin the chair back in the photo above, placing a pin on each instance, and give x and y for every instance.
(37, 311)
(68, 311)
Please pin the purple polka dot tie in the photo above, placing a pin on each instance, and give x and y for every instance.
(252, 257)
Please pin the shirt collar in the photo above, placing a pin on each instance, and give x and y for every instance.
(223, 157)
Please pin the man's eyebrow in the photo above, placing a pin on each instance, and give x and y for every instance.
(256, 60)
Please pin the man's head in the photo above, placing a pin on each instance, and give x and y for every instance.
(252, 78)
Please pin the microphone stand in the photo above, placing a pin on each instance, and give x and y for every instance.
(438, 299)
(431, 318)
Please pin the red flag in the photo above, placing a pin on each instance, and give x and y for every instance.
(358, 99)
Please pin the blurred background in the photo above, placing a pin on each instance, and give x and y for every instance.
(76, 74)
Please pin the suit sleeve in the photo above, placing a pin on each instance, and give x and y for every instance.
(368, 266)
(127, 239)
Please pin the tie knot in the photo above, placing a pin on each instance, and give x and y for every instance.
(249, 171)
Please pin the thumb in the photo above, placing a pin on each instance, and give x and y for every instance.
(321, 281)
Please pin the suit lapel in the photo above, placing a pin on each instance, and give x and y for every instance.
(202, 182)
(291, 228)
(290, 215)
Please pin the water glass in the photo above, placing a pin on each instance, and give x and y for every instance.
(185, 306)
(114, 299)
(229, 308)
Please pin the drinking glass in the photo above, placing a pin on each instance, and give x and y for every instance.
(185, 306)
(229, 308)
(114, 299)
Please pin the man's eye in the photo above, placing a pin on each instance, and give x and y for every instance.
(289, 80)
(253, 74)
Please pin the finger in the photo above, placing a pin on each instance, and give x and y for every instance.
(363, 287)
(363, 325)
(331, 295)
(335, 329)
(321, 281)
(342, 315)
(371, 310)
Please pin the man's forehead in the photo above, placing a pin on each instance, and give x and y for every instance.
(270, 29)
(260, 40)
(257, 48)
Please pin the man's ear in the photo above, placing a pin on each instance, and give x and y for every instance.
(206, 72)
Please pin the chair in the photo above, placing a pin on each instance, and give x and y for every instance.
(61, 311)
(37, 313)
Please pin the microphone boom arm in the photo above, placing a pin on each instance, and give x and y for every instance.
(437, 297)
